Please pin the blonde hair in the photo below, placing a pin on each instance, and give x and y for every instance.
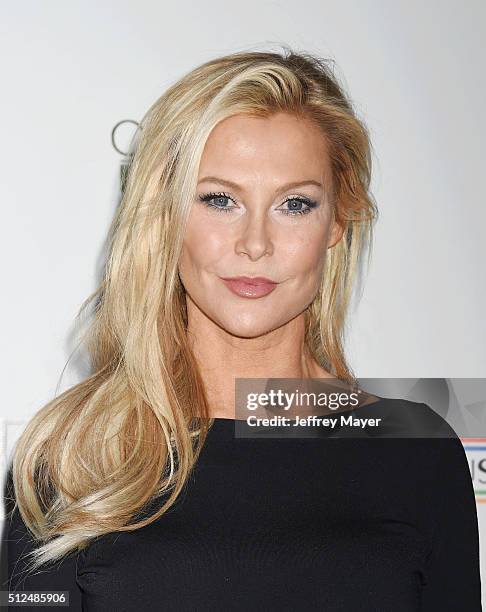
(94, 458)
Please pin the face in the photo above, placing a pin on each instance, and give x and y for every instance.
(261, 209)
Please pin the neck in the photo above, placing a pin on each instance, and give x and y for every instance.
(222, 357)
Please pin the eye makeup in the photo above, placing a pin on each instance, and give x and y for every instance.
(207, 200)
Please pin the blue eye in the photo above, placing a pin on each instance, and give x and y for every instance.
(299, 201)
(216, 201)
(219, 198)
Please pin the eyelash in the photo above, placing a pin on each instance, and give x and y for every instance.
(207, 197)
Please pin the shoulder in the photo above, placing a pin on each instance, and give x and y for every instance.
(420, 439)
(402, 418)
(427, 447)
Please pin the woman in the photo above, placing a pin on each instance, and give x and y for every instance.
(252, 165)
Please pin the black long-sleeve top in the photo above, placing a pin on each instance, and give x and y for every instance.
(351, 519)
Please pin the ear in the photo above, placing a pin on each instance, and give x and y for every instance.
(335, 234)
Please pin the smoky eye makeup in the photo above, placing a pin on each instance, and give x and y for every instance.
(296, 205)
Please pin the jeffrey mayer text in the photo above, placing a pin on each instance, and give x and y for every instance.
(312, 421)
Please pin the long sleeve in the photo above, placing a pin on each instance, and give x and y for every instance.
(61, 576)
(452, 579)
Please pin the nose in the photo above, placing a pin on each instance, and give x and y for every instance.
(255, 240)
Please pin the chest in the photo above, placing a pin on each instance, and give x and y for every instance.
(286, 533)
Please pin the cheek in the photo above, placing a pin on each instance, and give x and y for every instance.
(203, 245)
(305, 252)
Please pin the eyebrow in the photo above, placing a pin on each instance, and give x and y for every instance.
(221, 181)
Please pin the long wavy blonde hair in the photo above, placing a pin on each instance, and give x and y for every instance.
(94, 458)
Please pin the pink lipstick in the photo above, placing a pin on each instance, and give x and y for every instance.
(250, 287)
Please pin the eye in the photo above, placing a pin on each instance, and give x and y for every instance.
(295, 206)
(218, 201)
(220, 204)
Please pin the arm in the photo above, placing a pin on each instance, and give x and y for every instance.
(452, 577)
(61, 576)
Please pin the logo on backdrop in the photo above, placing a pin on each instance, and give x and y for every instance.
(476, 454)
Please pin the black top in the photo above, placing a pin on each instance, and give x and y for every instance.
(361, 522)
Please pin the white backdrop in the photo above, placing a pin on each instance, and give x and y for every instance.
(415, 70)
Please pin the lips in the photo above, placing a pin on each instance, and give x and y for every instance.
(250, 287)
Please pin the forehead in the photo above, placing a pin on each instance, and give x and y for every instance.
(281, 144)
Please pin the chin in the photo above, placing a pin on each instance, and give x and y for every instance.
(248, 329)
